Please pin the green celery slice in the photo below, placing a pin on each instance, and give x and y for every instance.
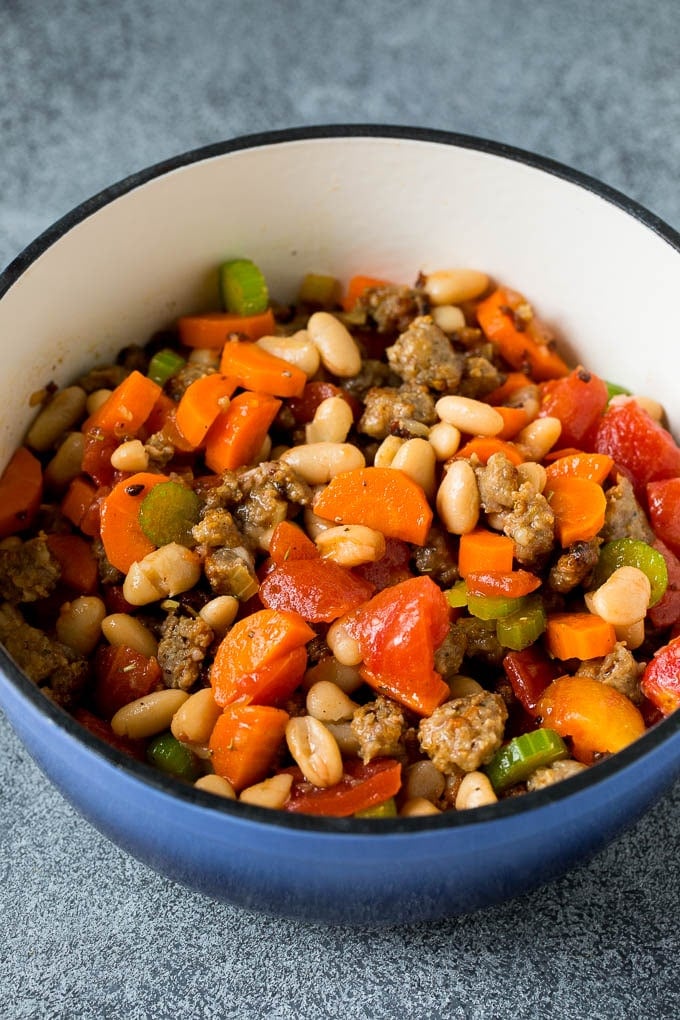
(522, 755)
(614, 390)
(168, 755)
(521, 628)
(457, 597)
(388, 809)
(632, 552)
(494, 607)
(168, 513)
(164, 364)
(243, 287)
(320, 290)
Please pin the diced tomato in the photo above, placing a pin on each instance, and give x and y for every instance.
(102, 729)
(666, 612)
(78, 564)
(641, 448)
(122, 675)
(529, 672)
(578, 400)
(661, 678)
(362, 786)
(393, 567)
(663, 500)
(303, 408)
(97, 456)
(319, 590)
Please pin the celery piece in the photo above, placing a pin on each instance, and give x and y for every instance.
(164, 364)
(320, 290)
(457, 597)
(388, 809)
(168, 755)
(493, 607)
(520, 629)
(243, 288)
(614, 390)
(522, 755)
(632, 552)
(168, 513)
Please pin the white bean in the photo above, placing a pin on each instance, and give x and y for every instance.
(96, 399)
(67, 461)
(130, 456)
(315, 750)
(335, 344)
(194, 720)
(298, 349)
(148, 715)
(65, 408)
(416, 458)
(475, 790)
(468, 415)
(328, 703)
(423, 779)
(331, 422)
(216, 784)
(343, 646)
(450, 318)
(317, 463)
(538, 437)
(444, 440)
(270, 793)
(347, 678)
(464, 686)
(533, 473)
(458, 502)
(351, 544)
(387, 451)
(121, 629)
(451, 286)
(166, 571)
(623, 599)
(79, 624)
(219, 613)
(418, 807)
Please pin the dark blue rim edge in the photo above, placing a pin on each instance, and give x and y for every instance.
(334, 826)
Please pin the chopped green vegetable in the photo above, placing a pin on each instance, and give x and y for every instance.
(243, 288)
(522, 755)
(168, 755)
(457, 597)
(168, 513)
(388, 809)
(632, 552)
(164, 364)
(614, 390)
(320, 290)
(493, 607)
(521, 628)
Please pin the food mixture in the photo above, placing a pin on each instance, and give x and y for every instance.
(379, 552)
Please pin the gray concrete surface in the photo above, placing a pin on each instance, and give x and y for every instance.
(90, 92)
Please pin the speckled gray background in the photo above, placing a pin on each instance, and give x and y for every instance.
(91, 92)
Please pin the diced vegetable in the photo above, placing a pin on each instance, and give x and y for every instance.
(578, 400)
(320, 291)
(641, 448)
(168, 512)
(213, 330)
(21, 487)
(484, 447)
(663, 498)
(512, 584)
(253, 368)
(237, 434)
(362, 787)
(79, 568)
(579, 636)
(661, 678)
(522, 755)
(173, 758)
(579, 506)
(594, 466)
(243, 287)
(164, 364)
(529, 671)
(631, 552)
(518, 336)
(388, 809)
(120, 527)
(128, 407)
(519, 629)
(122, 675)
(319, 590)
(493, 607)
(245, 742)
(289, 542)
(356, 287)
(200, 404)
(486, 550)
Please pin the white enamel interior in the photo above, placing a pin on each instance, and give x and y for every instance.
(390, 207)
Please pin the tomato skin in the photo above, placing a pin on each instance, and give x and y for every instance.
(122, 675)
(661, 678)
(97, 456)
(641, 448)
(529, 673)
(319, 590)
(666, 612)
(303, 408)
(362, 786)
(663, 498)
(101, 729)
(578, 400)
(391, 568)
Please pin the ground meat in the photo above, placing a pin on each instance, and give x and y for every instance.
(159, 450)
(106, 378)
(217, 528)
(28, 570)
(182, 649)
(380, 728)
(574, 566)
(498, 482)
(624, 517)
(48, 663)
(479, 377)
(386, 406)
(178, 384)
(448, 658)
(108, 574)
(423, 355)
(619, 670)
(479, 639)
(464, 733)
(437, 559)
(259, 498)
(531, 526)
(547, 775)
(373, 374)
(392, 307)
(231, 572)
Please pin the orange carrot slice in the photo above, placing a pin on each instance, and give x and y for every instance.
(215, 328)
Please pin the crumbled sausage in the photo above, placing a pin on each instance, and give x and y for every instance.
(498, 482)
(574, 566)
(28, 570)
(217, 528)
(479, 638)
(106, 378)
(531, 526)
(108, 574)
(231, 572)
(387, 406)
(392, 306)
(436, 558)
(259, 498)
(464, 732)
(182, 649)
(548, 775)
(619, 670)
(424, 356)
(373, 374)
(380, 728)
(179, 383)
(448, 657)
(48, 663)
(159, 449)
(479, 377)
(624, 517)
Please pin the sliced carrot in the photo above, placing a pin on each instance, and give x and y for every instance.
(253, 368)
(513, 584)
(514, 418)
(594, 466)
(77, 500)
(484, 550)
(356, 287)
(200, 404)
(237, 434)
(484, 447)
(521, 342)
(513, 381)
(579, 505)
(579, 635)
(565, 451)
(78, 564)
(124, 541)
(250, 647)
(289, 542)
(245, 741)
(214, 329)
(21, 487)
(597, 717)
(381, 498)
(127, 408)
